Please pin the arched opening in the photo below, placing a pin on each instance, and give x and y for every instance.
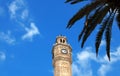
(63, 41)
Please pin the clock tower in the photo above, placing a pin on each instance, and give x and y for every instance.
(62, 57)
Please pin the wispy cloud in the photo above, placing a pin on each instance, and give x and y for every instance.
(104, 68)
(16, 8)
(7, 37)
(25, 14)
(20, 13)
(2, 56)
(102, 43)
(32, 31)
(82, 66)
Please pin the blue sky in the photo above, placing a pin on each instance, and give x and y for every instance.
(28, 30)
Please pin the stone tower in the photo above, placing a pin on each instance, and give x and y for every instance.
(62, 57)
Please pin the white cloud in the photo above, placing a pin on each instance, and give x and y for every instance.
(20, 13)
(79, 70)
(104, 69)
(31, 32)
(7, 37)
(103, 43)
(75, 70)
(82, 66)
(2, 56)
(106, 65)
(15, 7)
(24, 14)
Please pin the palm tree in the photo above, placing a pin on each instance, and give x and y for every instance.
(97, 12)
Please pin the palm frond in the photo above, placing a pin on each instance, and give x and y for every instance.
(110, 8)
(76, 1)
(92, 24)
(100, 34)
(84, 11)
(84, 28)
(68, 1)
(118, 19)
(108, 34)
(82, 32)
(86, 23)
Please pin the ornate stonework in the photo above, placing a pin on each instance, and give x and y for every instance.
(62, 57)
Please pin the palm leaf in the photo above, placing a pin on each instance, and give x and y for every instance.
(76, 1)
(93, 24)
(68, 1)
(86, 23)
(83, 31)
(118, 19)
(108, 35)
(100, 33)
(92, 20)
(84, 11)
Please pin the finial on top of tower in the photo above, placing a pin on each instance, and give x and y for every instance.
(62, 36)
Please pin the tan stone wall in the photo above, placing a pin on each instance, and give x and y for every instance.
(62, 68)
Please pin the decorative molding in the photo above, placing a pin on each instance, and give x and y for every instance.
(62, 58)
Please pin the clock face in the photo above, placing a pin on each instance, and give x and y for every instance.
(64, 51)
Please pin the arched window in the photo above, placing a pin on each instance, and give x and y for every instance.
(63, 41)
